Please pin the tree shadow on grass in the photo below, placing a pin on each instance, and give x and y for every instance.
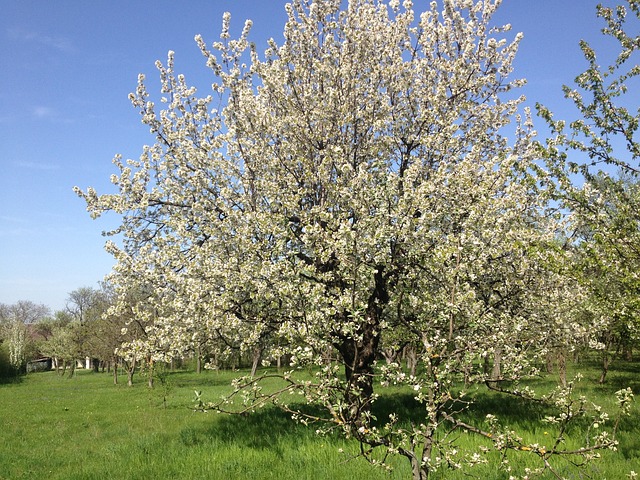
(626, 366)
(273, 429)
(193, 380)
(11, 379)
(619, 379)
(403, 405)
(508, 409)
(268, 428)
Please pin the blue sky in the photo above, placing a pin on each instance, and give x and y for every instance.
(68, 67)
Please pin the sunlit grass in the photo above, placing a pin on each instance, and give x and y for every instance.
(87, 428)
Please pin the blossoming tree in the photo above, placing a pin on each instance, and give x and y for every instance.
(603, 205)
(347, 186)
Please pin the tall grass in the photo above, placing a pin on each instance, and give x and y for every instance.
(87, 428)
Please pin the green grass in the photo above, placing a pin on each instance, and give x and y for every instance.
(87, 428)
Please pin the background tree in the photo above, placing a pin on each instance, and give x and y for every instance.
(354, 182)
(83, 304)
(17, 323)
(602, 146)
(129, 309)
(61, 345)
(24, 311)
(86, 306)
(609, 261)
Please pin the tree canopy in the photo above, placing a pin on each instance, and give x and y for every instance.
(369, 182)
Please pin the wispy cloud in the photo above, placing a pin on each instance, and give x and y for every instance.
(43, 112)
(14, 227)
(13, 232)
(60, 43)
(38, 113)
(10, 219)
(37, 166)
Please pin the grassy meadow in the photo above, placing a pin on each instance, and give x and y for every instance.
(85, 427)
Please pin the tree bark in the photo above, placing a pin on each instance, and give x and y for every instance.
(496, 371)
(606, 361)
(198, 360)
(115, 370)
(131, 369)
(150, 382)
(358, 357)
(257, 354)
(562, 367)
(418, 472)
(390, 355)
(359, 352)
(549, 362)
(411, 356)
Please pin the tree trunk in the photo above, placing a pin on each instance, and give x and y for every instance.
(549, 362)
(198, 360)
(423, 468)
(257, 354)
(359, 352)
(562, 368)
(496, 370)
(115, 370)
(606, 361)
(150, 383)
(418, 472)
(390, 354)
(328, 356)
(131, 368)
(411, 355)
(358, 358)
(608, 342)
(420, 460)
(358, 355)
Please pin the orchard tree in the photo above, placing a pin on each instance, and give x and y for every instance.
(15, 321)
(602, 147)
(81, 330)
(87, 306)
(130, 328)
(609, 259)
(349, 184)
(607, 129)
(62, 344)
(23, 311)
(104, 331)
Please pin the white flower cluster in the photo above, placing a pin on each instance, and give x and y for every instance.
(353, 192)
